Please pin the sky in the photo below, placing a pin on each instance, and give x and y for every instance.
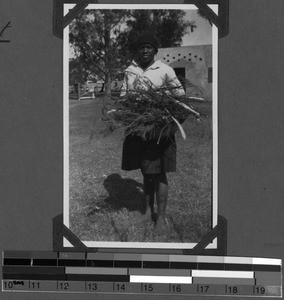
(202, 35)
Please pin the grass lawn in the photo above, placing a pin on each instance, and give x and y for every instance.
(106, 203)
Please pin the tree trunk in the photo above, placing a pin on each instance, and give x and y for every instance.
(107, 85)
(108, 55)
(79, 91)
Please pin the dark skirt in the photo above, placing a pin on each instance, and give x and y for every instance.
(150, 157)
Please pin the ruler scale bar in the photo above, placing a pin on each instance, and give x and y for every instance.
(68, 277)
(156, 264)
(159, 272)
(210, 266)
(32, 270)
(133, 256)
(140, 273)
(127, 264)
(100, 277)
(161, 279)
(72, 263)
(16, 262)
(183, 265)
(151, 288)
(45, 262)
(216, 280)
(34, 276)
(97, 271)
(100, 263)
(268, 278)
(72, 255)
(224, 274)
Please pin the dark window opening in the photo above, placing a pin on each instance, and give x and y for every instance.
(180, 73)
(210, 75)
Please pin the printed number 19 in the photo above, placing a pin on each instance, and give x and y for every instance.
(260, 290)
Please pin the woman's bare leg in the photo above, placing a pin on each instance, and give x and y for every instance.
(161, 185)
(149, 192)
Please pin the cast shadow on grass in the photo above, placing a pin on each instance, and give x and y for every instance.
(122, 193)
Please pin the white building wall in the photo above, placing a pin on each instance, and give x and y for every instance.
(197, 61)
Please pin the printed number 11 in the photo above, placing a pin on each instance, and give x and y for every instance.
(34, 285)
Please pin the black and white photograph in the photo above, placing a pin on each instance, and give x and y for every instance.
(140, 126)
(141, 149)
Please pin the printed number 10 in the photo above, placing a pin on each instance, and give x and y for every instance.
(8, 284)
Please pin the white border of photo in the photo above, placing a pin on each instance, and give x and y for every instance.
(66, 53)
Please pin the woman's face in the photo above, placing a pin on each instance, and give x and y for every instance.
(146, 53)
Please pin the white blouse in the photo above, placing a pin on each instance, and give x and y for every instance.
(156, 76)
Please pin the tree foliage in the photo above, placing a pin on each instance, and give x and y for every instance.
(93, 36)
(102, 40)
(168, 25)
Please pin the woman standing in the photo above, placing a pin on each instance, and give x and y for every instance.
(154, 158)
